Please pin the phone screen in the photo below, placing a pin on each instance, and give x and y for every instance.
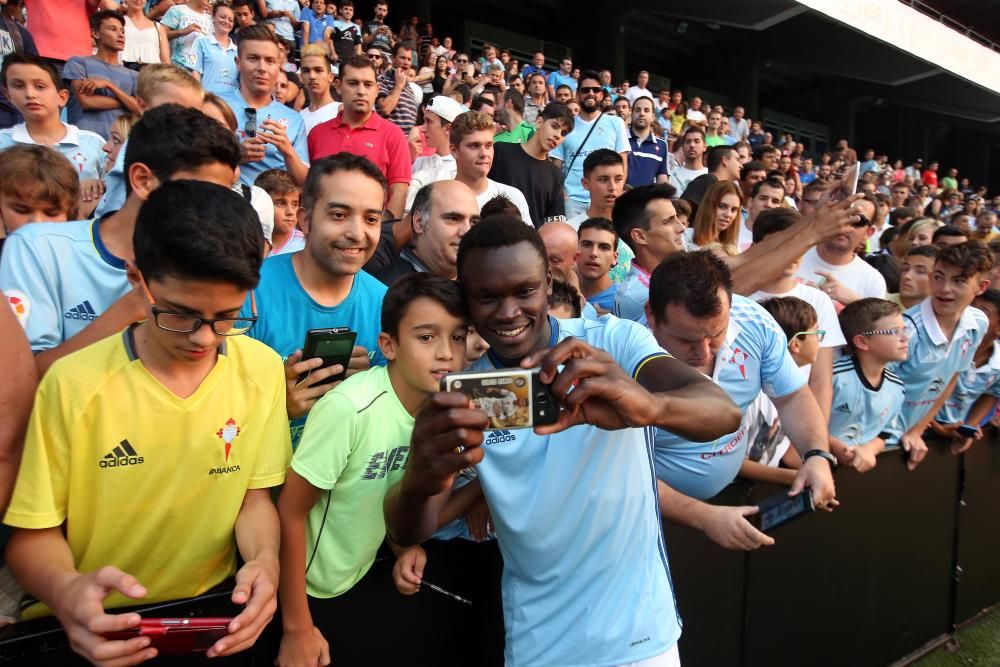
(784, 512)
(335, 349)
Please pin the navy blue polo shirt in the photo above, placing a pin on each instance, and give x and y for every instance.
(647, 160)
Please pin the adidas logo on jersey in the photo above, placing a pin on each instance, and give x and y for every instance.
(122, 455)
(84, 311)
(843, 407)
(496, 437)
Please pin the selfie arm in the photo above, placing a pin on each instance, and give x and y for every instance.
(692, 406)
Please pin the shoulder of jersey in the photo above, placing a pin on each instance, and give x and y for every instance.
(93, 136)
(892, 377)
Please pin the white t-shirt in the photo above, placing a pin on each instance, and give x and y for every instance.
(682, 176)
(429, 169)
(823, 305)
(635, 92)
(321, 115)
(696, 116)
(746, 237)
(857, 275)
(493, 189)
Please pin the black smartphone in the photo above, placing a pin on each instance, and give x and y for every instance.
(779, 509)
(967, 431)
(512, 397)
(333, 346)
(250, 127)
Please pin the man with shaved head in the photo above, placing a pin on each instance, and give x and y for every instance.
(562, 246)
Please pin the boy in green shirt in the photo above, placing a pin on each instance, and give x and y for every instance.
(354, 448)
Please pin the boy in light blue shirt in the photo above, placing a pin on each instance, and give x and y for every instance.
(592, 130)
(867, 396)
(38, 93)
(944, 332)
(978, 388)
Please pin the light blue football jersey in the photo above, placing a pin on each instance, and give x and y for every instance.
(80, 147)
(753, 358)
(292, 121)
(972, 384)
(285, 312)
(216, 64)
(632, 295)
(933, 359)
(586, 580)
(114, 186)
(63, 276)
(859, 412)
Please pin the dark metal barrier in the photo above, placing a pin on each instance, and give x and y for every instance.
(866, 585)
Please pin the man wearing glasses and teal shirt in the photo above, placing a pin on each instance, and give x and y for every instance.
(150, 455)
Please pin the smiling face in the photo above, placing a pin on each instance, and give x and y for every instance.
(727, 211)
(224, 18)
(474, 155)
(507, 298)
(951, 292)
(590, 95)
(342, 229)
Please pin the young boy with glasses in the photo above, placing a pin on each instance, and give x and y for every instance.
(182, 414)
(867, 396)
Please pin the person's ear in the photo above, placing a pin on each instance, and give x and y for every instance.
(417, 223)
(638, 234)
(63, 97)
(142, 180)
(795, 345)
(861, 343)
(133, 275)
(983, 284)
(387, 345)
(303, 220)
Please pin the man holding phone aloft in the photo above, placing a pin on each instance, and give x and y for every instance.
(273, 136)
(323, 286)
(541, 486)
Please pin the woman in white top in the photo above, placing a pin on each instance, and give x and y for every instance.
(145, 41)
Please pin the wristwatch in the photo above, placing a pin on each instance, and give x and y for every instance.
(830, 458)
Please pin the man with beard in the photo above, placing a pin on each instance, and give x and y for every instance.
(526, 166)
(833, 267)
(273, 136)
(593, 130)
(614, 381)
(323, 284)
(317, 77)
(647, 163)
(693, 148)
(360, 131)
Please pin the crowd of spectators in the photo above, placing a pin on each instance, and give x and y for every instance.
(187, 189)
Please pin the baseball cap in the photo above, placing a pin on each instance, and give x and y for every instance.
(445, 107)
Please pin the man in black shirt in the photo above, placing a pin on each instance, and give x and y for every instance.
(526, 166)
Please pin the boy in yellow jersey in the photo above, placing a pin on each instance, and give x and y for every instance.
(354, 448)
(150, 454)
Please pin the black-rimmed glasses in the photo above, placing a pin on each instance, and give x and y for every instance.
(184, 323)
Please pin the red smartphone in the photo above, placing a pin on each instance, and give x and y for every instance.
(177, 635)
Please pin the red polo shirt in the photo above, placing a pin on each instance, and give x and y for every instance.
(378, 140)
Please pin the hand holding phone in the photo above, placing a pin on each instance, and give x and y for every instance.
(967, 431)
(510, 397)
(334, 346)
(172, 636)
(779, 509)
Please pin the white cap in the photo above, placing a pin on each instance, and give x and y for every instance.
(445, 107)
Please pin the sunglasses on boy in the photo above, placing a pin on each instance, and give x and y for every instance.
(175, 322)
